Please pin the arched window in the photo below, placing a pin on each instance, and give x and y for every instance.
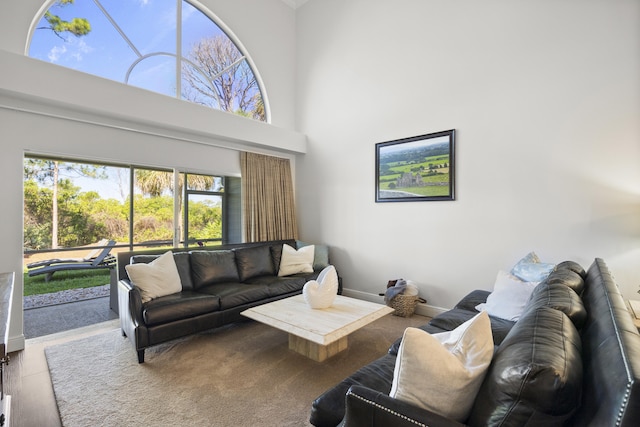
(166, 46)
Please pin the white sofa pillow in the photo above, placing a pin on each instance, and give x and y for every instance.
(509, 297)
(158, 278)
(296, 261)
(443, 372)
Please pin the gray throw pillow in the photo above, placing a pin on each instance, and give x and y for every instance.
(320, 255)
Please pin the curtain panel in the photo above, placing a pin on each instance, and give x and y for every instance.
(267, 196)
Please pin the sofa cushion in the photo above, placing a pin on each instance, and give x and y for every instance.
(454, 363)
(296, 260)
(156, 279)
(455, 317)
(611, 393)
(428, 327)
(279, 285)
(472, 299)
(236, 294)
(254, 261)
(329, 408)
(183, 264)
(559, 297)
(208, 267)
(535, 377)
(573, 266)
(276, 256)
(178, 306)
(568, 278)
(509, 297)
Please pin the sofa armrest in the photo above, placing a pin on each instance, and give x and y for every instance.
(369, 408)
(129, 302)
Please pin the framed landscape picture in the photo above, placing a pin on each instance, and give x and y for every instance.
(420, 168)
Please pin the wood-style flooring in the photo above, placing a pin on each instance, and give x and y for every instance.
(28, 383)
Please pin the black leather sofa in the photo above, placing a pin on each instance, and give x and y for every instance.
(218, 283)
(536, 377)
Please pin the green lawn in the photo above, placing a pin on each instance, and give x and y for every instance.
(427, 191)
(63, 280)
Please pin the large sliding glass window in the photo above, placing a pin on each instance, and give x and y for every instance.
(70, 204)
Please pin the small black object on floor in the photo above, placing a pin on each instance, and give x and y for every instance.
(64, 317)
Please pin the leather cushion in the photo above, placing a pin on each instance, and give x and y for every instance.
(611, 394)
(573, 266)
(254, 261)
(455, 317)
(208, 267)
(568, 278)
(276, 256)
(472, 299)
(329, 408)
(183, 264)
(535, 377)
(393, 349)
(279, 285)
(559, 297)
(178, 306)
(236, 294)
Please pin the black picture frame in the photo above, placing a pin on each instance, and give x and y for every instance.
(416, 169)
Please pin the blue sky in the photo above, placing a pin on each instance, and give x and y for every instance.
(415, 144)
(150, 26)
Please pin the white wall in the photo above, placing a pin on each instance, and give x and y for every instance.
(545, 98)
(53, 110)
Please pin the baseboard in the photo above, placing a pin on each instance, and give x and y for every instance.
(15, 343)
(421, 309)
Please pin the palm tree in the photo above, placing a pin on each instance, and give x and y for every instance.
(155, 183)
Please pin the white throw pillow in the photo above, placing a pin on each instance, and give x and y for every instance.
(443, 372)
(509, 297)
(158, 278)
(296, 261)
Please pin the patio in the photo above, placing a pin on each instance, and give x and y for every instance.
(62, 311)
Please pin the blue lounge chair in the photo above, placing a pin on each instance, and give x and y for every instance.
(100, 258)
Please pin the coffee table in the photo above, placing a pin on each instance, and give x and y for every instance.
(318, 333)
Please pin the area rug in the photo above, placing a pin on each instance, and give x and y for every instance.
(241, 374)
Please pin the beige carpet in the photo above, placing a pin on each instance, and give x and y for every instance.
(239, 375)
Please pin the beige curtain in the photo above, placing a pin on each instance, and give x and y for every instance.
(267, 197)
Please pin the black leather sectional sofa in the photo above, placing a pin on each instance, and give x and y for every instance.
(218, 283)
(572, 359)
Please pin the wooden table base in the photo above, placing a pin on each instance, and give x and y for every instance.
(314, 351)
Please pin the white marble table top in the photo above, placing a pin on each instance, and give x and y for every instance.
(321, 326)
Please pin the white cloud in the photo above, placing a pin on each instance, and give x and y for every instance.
(74, 49)
(56, 52)
(83, 47)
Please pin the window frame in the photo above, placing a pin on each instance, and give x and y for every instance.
(178, 54)
(177, 240)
